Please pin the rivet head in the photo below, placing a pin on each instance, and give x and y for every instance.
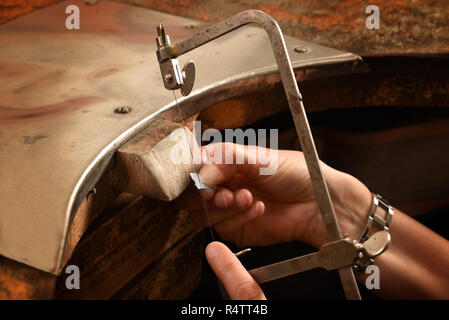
(168, 78)
(122, 110)
(300, 49)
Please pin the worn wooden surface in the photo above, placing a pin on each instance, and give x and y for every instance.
(132, 232)
(144, 164)
(98, 199)
(393, 81)
(123, 172)
(174, 276)
(114, 252)
(244, 110)
(412, 26)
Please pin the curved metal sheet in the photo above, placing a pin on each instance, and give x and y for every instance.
(59, 89)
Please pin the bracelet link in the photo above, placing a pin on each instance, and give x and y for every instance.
(381, 223)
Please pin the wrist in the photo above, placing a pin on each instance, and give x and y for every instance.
(352, 203)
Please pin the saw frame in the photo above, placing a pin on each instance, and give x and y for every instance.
(174, 78)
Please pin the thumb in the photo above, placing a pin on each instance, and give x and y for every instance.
(238, 282)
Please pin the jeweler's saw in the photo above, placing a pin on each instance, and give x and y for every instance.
(339, 253)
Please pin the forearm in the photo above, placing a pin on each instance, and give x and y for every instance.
(416, 264)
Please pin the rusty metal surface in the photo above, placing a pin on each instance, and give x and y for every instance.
(59, 91)
(21, 282)
(10, 9)
(407, 26)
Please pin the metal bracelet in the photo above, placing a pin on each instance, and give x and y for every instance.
(378, 221)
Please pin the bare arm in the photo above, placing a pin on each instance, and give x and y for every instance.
(416, 265)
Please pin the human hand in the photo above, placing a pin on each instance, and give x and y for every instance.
(252, 209)
(237, 281)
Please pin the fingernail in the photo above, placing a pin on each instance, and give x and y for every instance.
(225, 200)
(242, 199)
(212, 250)
(208, 173)
(260, 208)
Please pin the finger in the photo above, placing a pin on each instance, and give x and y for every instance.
(228, 204)
(224, 199)
(214, 174)
(190, 199)
(238, 282)
(223, 160)
(230, 225)
(243, 199)
(237, 201)
(224, 205)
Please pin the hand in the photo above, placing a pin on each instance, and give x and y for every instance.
(252, 209)
(237, 281)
